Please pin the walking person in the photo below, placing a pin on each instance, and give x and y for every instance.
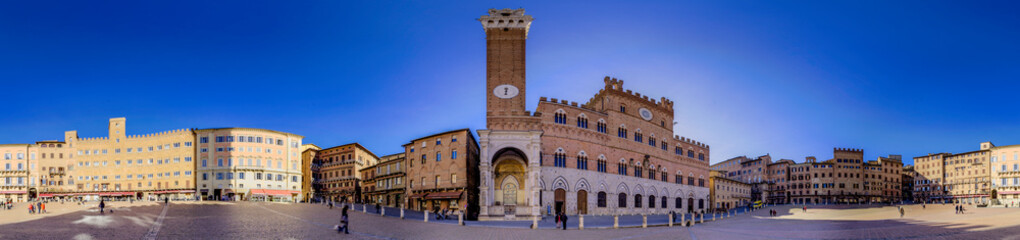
(30, 210)
(42, 207)
(901, 212)
(344, 222)
(102, 204)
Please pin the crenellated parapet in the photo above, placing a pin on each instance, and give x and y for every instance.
(690, 141)
(614, 85)
(161, 134)
(848, 150)
(506, 19)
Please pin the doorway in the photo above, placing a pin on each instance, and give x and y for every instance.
(582, 202)
(560, 196)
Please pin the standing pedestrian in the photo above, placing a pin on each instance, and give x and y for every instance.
(30, 210)
(901, 212)
(557, 220)
(42, 207)
(102, 204)
(564, 221)
(344, 222)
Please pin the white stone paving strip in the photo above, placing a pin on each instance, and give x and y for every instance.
(325, 225)
(151, 235)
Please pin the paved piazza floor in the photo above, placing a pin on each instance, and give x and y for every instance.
(213, 220)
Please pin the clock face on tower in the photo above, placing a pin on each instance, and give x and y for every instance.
(505, 91)
(645, 114)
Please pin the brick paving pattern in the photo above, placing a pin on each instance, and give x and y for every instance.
(213, 220)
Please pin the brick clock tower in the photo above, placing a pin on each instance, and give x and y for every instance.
(509, 164)
(506, 32)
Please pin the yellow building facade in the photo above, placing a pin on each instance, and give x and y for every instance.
(149, 166)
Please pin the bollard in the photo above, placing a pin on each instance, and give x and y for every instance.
(683, 219)
(580, 224)
(534, 222)
(644, 221)
(426, 215)
(460, 219)
(364, 209)
(401, 213)
(701, 218)
(383, 212)
(616, 221)
(715, 216)
(670, 220)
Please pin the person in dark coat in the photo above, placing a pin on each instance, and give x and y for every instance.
(102, 204)
(563, 217)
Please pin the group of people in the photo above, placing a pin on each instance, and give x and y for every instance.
(960, 209)
(773, 213)
(561, 220)
(7, 205)
(37, 208)
(440, 214)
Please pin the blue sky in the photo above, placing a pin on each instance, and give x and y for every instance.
(788, 78)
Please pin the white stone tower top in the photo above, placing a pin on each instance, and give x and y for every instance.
(505, 19)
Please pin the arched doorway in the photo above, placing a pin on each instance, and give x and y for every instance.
(690, 205)
(582, 202)
(560, 197)
(509, 176)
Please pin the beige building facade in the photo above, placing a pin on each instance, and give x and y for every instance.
(846, 178)
(727, 193)
(15, 172)
(249, 164)
(154, 166)
(151, 166)
(390, 178)
(959, 178)
(1005, 175)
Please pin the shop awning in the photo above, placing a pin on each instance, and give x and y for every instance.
(116, 193)
(1010, 192)
(418, 195)
(173, 191)
(12, 192)
(273, 192)
(45, 195)
(444, 195)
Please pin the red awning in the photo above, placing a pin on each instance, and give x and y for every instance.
(444, 195)
(45, 195)
(1011, 192)
(115, 193)
(12, 192)
(272, 192)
